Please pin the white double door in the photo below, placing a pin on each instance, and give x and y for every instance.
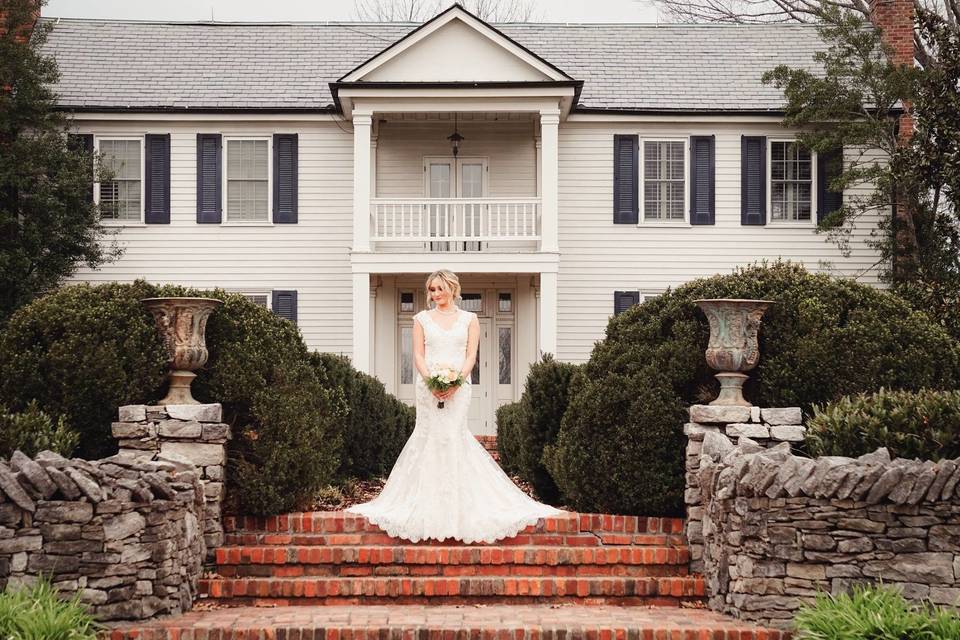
(455, 178)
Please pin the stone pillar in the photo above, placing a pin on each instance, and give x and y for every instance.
(191, 433)
(766, 427)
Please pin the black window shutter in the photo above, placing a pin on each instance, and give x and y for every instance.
(157, 173)
(284, 304)
(285, 178)
(753, 180)
(84, 142)
(829, 166)
(626, 178)
(702, 180)
(209, 178)
(623, 300)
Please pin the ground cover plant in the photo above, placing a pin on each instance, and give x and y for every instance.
(620, 443)
(921, 424)
(871, 612)
(38, 613)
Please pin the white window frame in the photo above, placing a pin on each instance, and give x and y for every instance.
(223, 187)
(812, 222)
(143, 181)
(258, 292)
(641, 178)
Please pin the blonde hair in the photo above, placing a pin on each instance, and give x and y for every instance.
(449, 280)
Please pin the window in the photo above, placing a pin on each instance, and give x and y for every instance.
(791, 181)
(471, 302)
(259, 299)
(406, 301)
(505, 302)
(505, 338)
(664, 171)
(248, 180)
(406, 355)
(122, 197)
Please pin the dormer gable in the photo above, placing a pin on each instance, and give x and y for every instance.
(455, 46)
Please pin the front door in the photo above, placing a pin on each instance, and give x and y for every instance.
(480, 397)
(455, 178)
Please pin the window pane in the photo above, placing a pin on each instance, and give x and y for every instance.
(247, 166)
(475, 374)
(791, 181)
(471, 302)
(406, 301)
(440, 180)
(664, 175)
(506, 302)
(471, 180)
(406, 355)
(258, 299)
(120, 198)
(506, 353)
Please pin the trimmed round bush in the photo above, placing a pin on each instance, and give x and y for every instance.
(376, 424)
(545, 398)
(620, 446)
(910, 424)
(508, 439)
(81, 352)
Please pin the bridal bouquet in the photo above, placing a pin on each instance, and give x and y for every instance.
(443, 378)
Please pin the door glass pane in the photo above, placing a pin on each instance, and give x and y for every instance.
(440, 180)
(471, 302)
(505, 334)
(475, 374)
(506, 302)
(471, 180)
(406, 355)
(406, 301)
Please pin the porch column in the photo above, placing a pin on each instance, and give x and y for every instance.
(362, 121)
(361, 322)
(548, 313)
(550, 170)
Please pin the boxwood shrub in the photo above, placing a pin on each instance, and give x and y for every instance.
(911, 424)
(508, 437)
(620, 446)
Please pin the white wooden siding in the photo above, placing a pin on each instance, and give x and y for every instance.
(311, 256)
(598, 257)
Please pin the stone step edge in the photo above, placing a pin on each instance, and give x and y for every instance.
(378, 538)
(399, 631)
(409, 555)
(343, 522)
(438, 586)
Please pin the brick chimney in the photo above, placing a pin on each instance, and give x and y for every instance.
(27, 28)
(894, 18)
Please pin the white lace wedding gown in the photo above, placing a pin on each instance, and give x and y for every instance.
(444, 484)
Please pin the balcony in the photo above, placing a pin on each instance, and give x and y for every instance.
(455, 224)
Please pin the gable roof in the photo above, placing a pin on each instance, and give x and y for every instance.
(442, 19)
(156, 66)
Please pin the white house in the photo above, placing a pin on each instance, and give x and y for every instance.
(564, 171)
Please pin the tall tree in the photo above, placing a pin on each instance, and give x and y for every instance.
(49, 225)
(752, 11)
(422, 10)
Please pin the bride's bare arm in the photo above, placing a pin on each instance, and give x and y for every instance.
(419, 359)
(473, 341)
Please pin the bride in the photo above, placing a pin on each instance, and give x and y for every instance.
(444, 484)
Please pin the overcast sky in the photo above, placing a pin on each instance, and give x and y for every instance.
(281, 10)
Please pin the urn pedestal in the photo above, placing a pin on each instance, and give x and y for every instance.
(733, 347)
(182, 323)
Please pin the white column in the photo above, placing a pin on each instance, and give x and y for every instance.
(549, 178)
(361, 322)
(548, 313)
(361, 180)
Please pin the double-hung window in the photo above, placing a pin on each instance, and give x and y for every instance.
(121, 197)
(664, 180)
(247, 179)
(791, 182)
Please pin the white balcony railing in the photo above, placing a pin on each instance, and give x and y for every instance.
(455, 220)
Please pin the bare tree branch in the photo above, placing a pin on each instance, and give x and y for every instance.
(422, 10)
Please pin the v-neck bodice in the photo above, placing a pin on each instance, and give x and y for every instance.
(445, 347)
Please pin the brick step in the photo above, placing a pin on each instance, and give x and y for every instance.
(338, 522)
(526, 622)
(450, 561)
(379, 538)
(657, 591)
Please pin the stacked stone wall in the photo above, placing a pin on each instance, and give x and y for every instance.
(766, 427)
(190, 433)
(123, 533)
(777, 528)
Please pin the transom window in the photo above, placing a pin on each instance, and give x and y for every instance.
(791, 181)
(121, 198)
(248, 179)
(664, 170)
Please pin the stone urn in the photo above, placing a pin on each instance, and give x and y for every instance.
(733, 347)
(182, 323)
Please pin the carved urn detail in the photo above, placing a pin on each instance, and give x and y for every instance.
(733, 347)
(182, 323)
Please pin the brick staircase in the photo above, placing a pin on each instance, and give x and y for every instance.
(334, 558)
